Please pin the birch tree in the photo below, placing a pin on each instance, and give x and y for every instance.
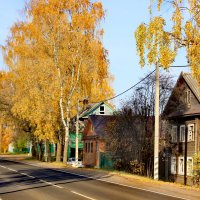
(57, 56)
(161, 38)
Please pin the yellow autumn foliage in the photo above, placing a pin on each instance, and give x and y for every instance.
(56, 57)
(184, 21)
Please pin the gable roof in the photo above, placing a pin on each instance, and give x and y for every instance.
(93, 107)
(100, 123)
(192, 83)
(195, 89)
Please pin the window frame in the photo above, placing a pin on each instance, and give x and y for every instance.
(193, 133)
(189, 174)
(174, 134)
(188, 97)
(173, 165)
(180, 172)
(102, 112)
(182, 135)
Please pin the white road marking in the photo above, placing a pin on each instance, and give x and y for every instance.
(28, 175)
(3, 167)
(102, 180)
(161, 193)
(49, 183)
(82, 195)
(11, 169)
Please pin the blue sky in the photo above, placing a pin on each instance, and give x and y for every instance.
(122, 19)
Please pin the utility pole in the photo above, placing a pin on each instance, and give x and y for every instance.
(185, 157)
(156, 136)
(1, 129)
(77, 132)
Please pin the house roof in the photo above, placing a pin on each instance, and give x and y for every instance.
(100, 123)
(91, 108)
(194, 87)
(192, 83)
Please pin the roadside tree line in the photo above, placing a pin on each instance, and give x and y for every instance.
(55, 57)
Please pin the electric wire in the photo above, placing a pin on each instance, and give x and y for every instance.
(105, 100)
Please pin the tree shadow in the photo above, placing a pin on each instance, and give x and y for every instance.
(18, 182)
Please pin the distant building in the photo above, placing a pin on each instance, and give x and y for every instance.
(101, 108)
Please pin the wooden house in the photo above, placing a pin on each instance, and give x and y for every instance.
(183, 133)
(102, 108)
(94, 139)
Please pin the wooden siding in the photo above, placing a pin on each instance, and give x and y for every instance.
(107, 110)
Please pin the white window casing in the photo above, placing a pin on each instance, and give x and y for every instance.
(174, 133)
(181, 165)
(190, 134)
(173, 165)
(102, 109)
(182, 133)
(189, 166)
(188, 97)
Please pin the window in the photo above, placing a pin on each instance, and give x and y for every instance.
(86, 147)
(189, 166)
(181, 165)
(188, 97)
(91, 147)
(173, 165)
(102, 109)
(190, 132)
(182, 133)
(174, 134)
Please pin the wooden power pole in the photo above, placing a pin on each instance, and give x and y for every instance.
(156, 136)
(77, 132)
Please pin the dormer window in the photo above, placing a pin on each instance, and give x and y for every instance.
(188, 97)
(102, 109)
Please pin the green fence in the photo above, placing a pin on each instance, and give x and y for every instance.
(105, 161)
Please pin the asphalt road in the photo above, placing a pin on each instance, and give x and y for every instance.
(19, 181)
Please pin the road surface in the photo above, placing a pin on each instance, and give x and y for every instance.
(19, 181)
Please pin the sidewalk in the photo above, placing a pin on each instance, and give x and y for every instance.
(124, 179)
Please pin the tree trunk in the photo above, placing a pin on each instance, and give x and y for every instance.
(65, 124)
(41, 152)
(58, 151)
(0, 138)
(65, 153)
(47, 152)
(35, 153)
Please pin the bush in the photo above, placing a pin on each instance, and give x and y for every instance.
(196, 169)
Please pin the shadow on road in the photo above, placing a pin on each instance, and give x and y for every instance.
(12, 182)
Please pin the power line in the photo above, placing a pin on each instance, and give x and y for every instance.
(179, 66)
(128, 88)
(174, 66)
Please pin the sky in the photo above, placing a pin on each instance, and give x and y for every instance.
(122, 19)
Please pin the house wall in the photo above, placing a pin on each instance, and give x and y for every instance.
(197, 134)
(93, 158)
(178, 149)
(90, 158)
(107, 111)
(192, 146)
